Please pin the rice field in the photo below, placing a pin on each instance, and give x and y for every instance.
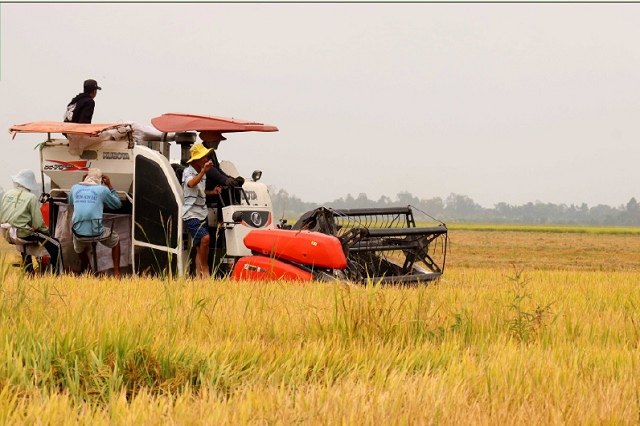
(524, 328)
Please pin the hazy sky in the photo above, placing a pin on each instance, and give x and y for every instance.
(499, 102)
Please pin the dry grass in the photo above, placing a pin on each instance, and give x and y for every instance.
(544, 250)
(488, 344)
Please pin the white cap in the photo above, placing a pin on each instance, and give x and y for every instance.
(26, 178)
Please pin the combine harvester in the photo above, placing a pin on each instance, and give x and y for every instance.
(361, 245)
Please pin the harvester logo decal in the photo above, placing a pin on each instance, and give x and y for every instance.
(115, 155)
(256, 219)
(68, 166)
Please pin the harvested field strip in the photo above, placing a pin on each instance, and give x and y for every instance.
(554, 229)
(543, 251)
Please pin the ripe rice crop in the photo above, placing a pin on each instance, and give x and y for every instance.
(547, 335)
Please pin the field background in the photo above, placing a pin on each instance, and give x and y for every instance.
(529, 325)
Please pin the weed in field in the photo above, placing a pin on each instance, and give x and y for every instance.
(525, 325)
(463, 325)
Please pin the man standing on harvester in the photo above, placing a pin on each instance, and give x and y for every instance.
(88, 199)
(195, 207)
(215, 176)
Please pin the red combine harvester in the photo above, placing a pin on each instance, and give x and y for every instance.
(360, 245)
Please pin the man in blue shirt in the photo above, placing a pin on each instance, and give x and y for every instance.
(88, 199)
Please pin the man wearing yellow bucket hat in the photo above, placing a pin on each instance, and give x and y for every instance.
(195, 207)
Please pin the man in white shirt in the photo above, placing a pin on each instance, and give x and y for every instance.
(195, 207)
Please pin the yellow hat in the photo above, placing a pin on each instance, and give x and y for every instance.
(198, 151)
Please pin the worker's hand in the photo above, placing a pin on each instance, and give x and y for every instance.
(231, 182)
(208, 165)
(106, 180)
(214, 191)
(240, 180)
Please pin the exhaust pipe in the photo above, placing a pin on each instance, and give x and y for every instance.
(185, 140)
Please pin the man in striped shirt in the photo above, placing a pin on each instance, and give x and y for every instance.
(195, 207)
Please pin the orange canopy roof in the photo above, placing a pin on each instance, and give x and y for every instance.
(177, 122)
(61, 127)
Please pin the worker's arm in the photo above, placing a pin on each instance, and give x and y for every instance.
(111, 200)
(216, 177)
(197, 178)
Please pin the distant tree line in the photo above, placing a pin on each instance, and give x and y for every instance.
(461, 208)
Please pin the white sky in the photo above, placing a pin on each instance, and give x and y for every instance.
(499, 102)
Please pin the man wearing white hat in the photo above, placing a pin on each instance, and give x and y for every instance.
(20, 208)
(195, 207)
